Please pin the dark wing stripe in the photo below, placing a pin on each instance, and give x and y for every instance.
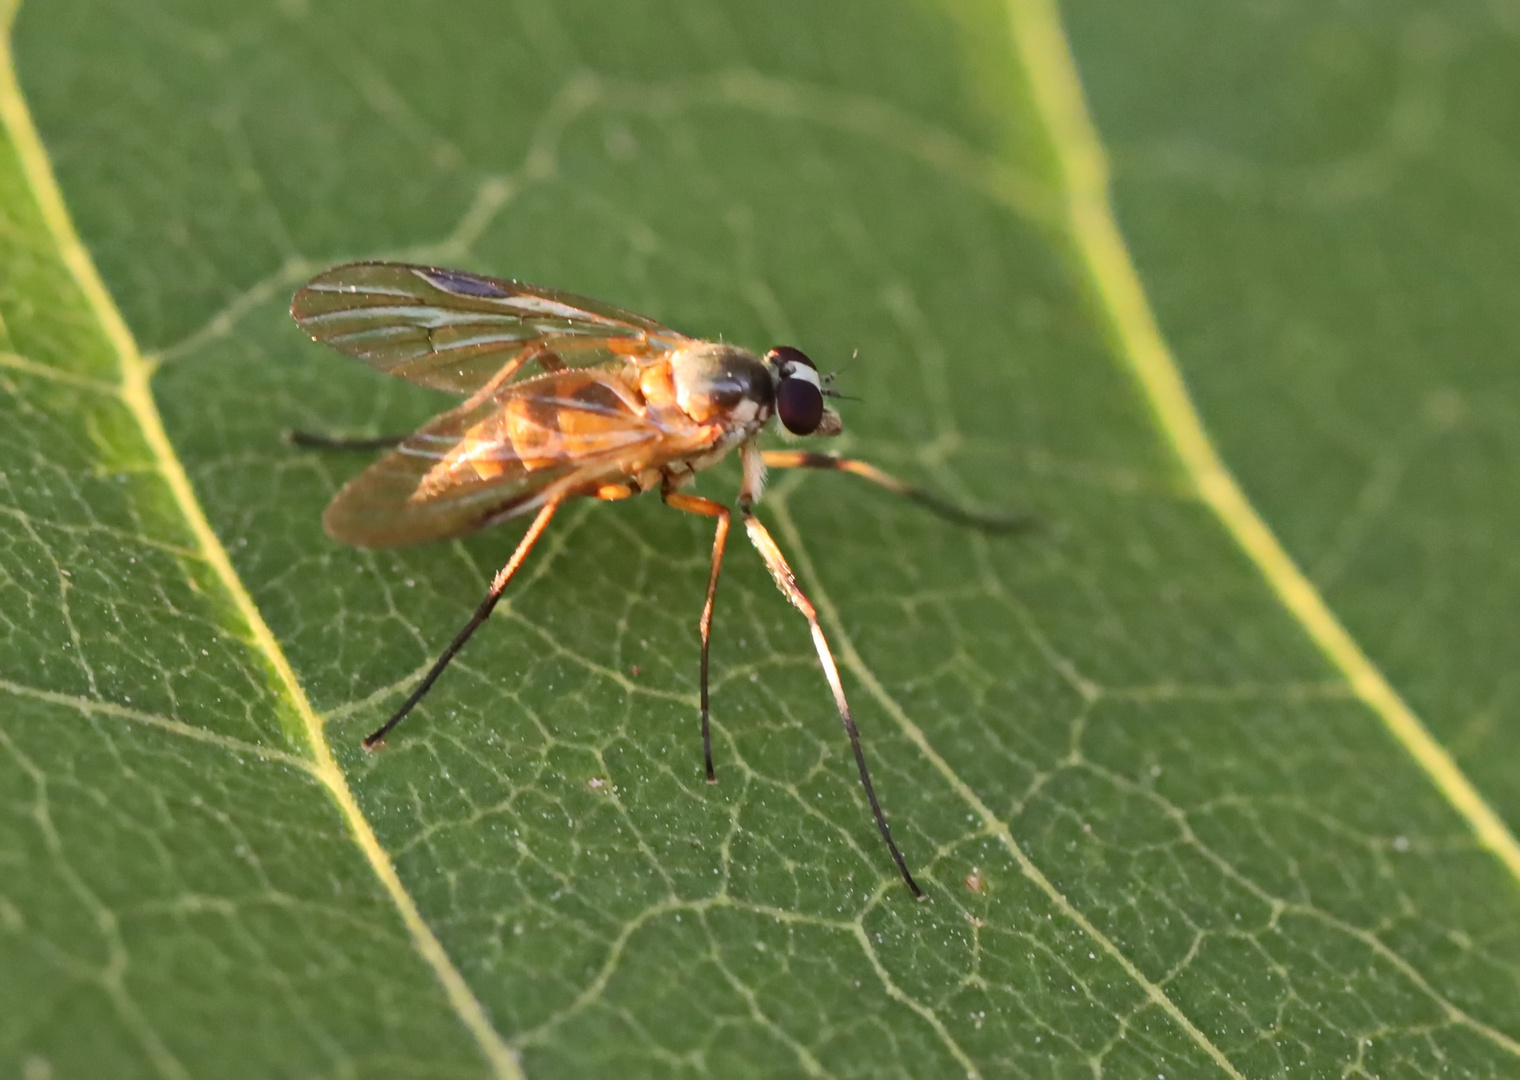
(455, 281)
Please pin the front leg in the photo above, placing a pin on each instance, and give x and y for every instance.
(752, 486)
(807, 459)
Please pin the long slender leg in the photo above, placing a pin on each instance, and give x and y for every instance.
(482, 613)
(695, 504)
(786, 581)
(804, 459)
(314, 441)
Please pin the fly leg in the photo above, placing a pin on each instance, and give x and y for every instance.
(695, 504)
(483, 612)
(804, 459)
(312, 440)
(786, 581)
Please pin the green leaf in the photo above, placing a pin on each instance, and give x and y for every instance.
(1171, 808)
(1356, 213)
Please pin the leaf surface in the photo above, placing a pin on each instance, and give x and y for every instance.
(1355, 214)
(1161, 832)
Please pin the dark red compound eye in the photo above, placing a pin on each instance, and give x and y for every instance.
(799, 395)
(799, 403)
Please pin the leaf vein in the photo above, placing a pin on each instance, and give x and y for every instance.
(1040, 42)
(137, 394)
(1100, 246)
(845, 647)
(90, 707)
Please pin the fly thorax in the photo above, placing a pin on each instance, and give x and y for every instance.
(721, 384)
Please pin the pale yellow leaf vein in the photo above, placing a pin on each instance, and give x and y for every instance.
(1046, 56)
(137, 395)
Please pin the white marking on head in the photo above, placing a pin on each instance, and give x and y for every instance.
(805, 373)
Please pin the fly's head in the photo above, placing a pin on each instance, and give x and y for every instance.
(799, 392)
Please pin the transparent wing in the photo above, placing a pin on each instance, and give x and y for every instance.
(455, 331)
(558, 434)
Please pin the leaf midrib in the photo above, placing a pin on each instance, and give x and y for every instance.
(136, 394)
(1093, 231)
